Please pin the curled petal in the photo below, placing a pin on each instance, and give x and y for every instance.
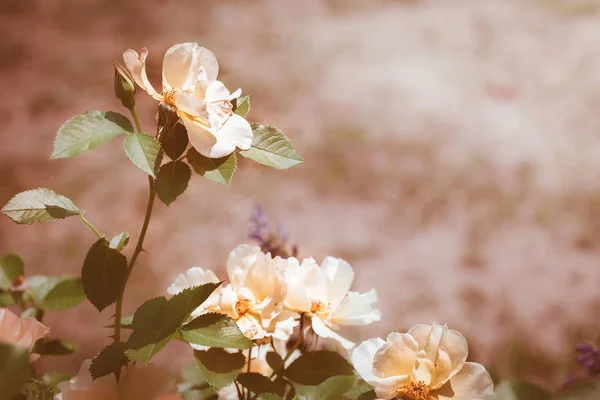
(136, 64)
(396, 357)
(325, 332)
(431, 337)
(357, 309)
(472, 382)
(191, 105)
(217, 92)
(339, 278)
(236, 132)
(187, 66)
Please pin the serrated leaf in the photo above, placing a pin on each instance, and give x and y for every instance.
(175, 142)
(219, 367)
(270, 147)
(156, 322)
(241, 106)
(313, 368)
(172, 180)
(88, 131)
(274, 360)
(37, 205)
(119, 241)
(11, 267)
(53, 347)
(519, 390)
(14, 369)
(362, 391)
(256, 383)
(332, 388)
(110, 360)
(215, 330)
(55, 292)
(142, 150)
(103, 274)
(219, 170)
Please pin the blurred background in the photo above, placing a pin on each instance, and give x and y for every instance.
(452, 156)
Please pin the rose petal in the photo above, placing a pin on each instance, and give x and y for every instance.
(472, 382)
(339, 279)
(322, 330)
(136, 64)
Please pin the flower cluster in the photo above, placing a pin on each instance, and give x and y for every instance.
(426, 363)
(267, 295)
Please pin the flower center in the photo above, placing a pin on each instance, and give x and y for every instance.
(242, 306)
(414, 391)
(317, 306)
(169, 96)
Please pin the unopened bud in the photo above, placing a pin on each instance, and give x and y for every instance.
(124, 86)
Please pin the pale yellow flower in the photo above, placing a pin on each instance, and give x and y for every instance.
(203, 103)
(137, 382)
(426, 363)
(323, 293)
(22, 332)
(254, 297)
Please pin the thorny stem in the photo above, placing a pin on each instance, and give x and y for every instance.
(138, 247)
(92, 227)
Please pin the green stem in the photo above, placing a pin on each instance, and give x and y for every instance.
(92, 227)
(136, 120)
(138, 246)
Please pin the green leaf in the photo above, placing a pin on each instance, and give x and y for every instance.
(88, 131)
(103, 274)
(270, 147)
(119, 241)
(142, 150)
(332, 388)
(55, 292)
(110, 360)
(11, 267)
(172, 180)
(37, 205)
(362, 391)
(313, 368)
(256, 383)
(218, 366)
(270, 396)
(156, 321)
(274, 360)
(215, 330)
(241, 106)
(518, 390)
(175, 142)
(53, 347)
(14, 369)
(219, 170)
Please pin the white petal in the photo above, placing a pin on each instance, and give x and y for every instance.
(136, 64)
(356, 309)
(191, 105)
(472, 382)
(200, 134)
(216, 91)
(239, 262)
(181, 66)
(315, 281)
(236, 132)
(339, 278)
(229, 300)
(296, 298)
(325, 332)
(431, 337)
(364, 356)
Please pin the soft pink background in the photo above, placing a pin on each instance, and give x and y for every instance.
(451, 152)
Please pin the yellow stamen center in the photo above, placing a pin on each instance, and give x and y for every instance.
(169, 96)
(242, 306)
(415, 391)
(317, 306)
